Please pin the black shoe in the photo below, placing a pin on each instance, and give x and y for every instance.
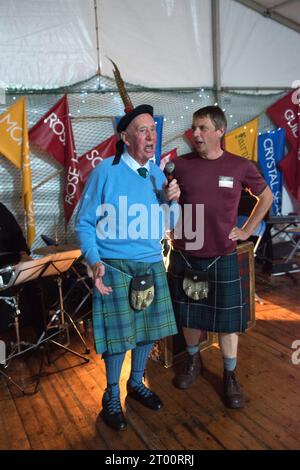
(145, 396)
(115, 421)
(233, 395)
(192, 369)
(112, 413)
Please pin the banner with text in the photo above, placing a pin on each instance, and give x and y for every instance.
(286, 113)
(89, 160)
(243, 140)
(270, 152)
(53, 134)
(14, 146)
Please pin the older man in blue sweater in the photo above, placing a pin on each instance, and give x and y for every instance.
(120, 224)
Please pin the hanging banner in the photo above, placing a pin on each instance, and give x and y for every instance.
(270, 152)
(89, 160)
(167, 157)
(53, 134)
(188, 135)
(243, 140)
(159, 121)
(285, 113)
(14, 146)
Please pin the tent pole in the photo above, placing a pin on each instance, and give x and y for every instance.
(215, 17)
(97, 40)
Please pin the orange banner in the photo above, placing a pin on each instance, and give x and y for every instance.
(243, 140)
(14, 146)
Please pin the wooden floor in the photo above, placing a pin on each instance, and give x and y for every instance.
(64, 412)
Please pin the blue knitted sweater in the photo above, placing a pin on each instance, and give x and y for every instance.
(122, 215)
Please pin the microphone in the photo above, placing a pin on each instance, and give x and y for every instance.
(169, 171)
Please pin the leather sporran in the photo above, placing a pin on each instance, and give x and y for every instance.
(141, 291)
(195, 283)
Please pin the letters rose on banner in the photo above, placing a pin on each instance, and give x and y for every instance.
(53, 133)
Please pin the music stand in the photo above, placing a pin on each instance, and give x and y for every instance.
(53, 265)
(24, 272)
(60, 263)
(20, 274)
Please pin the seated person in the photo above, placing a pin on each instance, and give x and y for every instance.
(13, 249)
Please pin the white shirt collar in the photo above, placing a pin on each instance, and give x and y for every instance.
(132, 163)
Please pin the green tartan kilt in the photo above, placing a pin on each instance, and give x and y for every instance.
(224, 310)
(117, 327)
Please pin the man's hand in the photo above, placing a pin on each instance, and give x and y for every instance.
(239, 234)
(98, 272)
(171, 191)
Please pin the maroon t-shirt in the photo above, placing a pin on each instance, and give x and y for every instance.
(217, 184)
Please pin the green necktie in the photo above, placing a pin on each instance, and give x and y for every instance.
(142, 172)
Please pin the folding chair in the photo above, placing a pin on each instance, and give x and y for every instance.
(294, 236)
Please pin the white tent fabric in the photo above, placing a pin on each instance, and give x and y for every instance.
(256, 51)
(157, 43)
(161, 43)
(286, 12)
(46, 44)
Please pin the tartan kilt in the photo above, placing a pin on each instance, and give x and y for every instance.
(117, 327)
(224, 310)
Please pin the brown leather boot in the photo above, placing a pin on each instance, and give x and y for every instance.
(233, 394)
(193, 368)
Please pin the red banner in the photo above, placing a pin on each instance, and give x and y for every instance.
(285, 113)
(188, 134)
(53, 134)
(89, 160)
(167, 157)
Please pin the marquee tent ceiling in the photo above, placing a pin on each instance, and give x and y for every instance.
(157, 43)
(286, 12)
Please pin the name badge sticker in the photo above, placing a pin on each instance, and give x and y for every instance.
(225, 182)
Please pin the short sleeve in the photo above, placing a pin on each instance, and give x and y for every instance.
(253, 181)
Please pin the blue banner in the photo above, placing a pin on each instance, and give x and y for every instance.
(159, 121)
(270, 153)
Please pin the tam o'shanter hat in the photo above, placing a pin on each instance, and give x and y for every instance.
(130, 112)
(127, 118)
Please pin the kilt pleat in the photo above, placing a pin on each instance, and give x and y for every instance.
(224, 310)
(117, 327)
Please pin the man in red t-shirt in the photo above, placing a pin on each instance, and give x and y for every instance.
(211, 181)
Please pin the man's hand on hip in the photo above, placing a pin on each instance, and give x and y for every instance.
(239, 234)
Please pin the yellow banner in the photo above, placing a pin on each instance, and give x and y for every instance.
(243, 140)
(14, 146)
